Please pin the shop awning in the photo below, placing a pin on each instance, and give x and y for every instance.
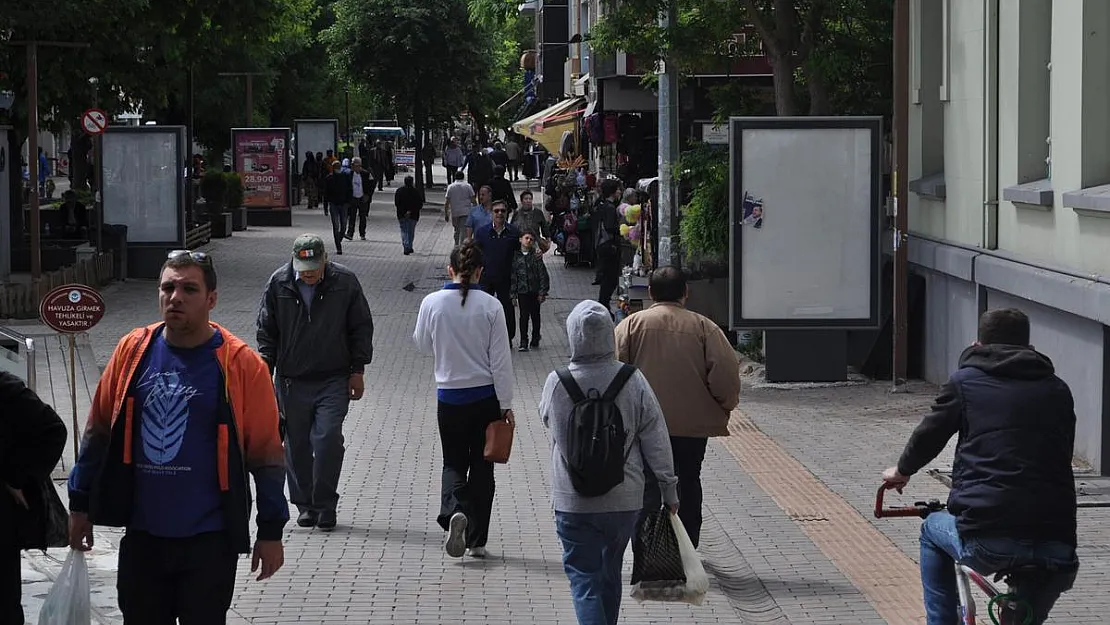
(547, 126)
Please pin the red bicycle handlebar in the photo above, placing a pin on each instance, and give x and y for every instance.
(919, 509)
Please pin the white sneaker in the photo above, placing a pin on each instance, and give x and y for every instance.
(477, 552)
(456, 535)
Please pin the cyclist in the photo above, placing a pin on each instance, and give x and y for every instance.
(1012, 502)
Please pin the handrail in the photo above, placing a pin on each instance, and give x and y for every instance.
(29, 345)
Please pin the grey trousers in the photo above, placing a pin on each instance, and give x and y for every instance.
(314, 412)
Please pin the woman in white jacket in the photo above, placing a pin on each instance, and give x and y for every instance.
(464, 328)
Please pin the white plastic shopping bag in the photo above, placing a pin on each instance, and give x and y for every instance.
(68, 601)
(697, 580)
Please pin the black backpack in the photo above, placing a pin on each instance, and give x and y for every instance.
(595, 438)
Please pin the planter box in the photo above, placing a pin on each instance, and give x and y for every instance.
(221, 225)
(239, 219)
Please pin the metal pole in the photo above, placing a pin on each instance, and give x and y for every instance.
(900, 187)
(33, 159)
(250, 99)
(668, 152)
(73, 393)
(98, 180)
(347, 105)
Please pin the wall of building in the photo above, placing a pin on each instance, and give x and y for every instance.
(1046, 144)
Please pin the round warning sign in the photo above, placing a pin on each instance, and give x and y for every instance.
(94, 121)
(71, 308)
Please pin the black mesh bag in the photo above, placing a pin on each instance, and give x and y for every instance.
(656, 561)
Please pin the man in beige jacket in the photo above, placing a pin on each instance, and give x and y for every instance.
(695, 374)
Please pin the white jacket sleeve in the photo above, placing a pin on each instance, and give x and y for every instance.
(422, 335)
(500, 358)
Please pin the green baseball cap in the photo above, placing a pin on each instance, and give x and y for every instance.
(308, 253)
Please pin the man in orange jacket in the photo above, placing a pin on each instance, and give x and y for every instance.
(184, 410)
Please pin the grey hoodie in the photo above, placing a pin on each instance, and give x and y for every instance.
(593, 364)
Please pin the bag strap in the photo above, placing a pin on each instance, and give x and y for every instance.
(575, 391)
(618, 383)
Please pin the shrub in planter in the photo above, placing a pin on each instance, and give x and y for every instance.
(233, 190)
(213, 188)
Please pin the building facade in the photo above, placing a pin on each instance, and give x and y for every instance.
(1009, 168)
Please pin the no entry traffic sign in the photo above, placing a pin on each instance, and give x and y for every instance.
(71, 308)
(94, 121)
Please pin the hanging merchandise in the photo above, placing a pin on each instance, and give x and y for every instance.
(595, 129)
(610, 124)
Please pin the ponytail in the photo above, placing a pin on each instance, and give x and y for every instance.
(466, 260)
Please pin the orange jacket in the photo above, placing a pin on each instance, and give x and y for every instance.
(247, 438)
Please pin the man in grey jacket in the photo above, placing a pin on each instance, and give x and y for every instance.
(595, 531)
(315, 329)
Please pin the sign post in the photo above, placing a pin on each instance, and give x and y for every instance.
(72, 309)
(94, 121)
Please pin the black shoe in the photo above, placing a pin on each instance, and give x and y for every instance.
(596, 282)
(523, 347)
(326, 521)
(535, 344)
(308, 518)
(349, 237)
(363, 237)
(407, 252)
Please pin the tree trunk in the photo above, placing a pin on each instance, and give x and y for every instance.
(783, 75)
(418, 123)
(818, 94)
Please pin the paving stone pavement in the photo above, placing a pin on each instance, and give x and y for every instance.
(385, 562)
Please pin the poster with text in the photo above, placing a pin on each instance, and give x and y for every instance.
(262, 160)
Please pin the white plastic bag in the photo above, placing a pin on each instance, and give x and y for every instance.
(697, 580)
(68, 602)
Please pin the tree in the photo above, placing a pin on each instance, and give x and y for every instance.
(423, 58)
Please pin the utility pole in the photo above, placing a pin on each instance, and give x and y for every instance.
(347, 108)
(668, 150)
(32, 47)
(250, 90)
(901, 189)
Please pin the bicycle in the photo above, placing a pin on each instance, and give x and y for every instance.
(1008, 603)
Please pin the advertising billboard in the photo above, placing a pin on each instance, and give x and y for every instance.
(261, 156)
(144, 175)
(315, 135)
(806, 214)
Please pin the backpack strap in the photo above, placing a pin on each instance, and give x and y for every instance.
(618, 383)
(575, 391)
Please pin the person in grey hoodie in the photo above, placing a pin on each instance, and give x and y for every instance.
(595, 531)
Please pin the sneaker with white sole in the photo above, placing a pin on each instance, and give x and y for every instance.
(456, 535)
(477, 552)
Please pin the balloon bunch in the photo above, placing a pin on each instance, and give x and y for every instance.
(631, 230)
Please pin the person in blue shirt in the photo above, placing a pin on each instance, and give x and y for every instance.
(481, 214)
(499, 241)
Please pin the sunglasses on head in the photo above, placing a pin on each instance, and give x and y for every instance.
(202, 258)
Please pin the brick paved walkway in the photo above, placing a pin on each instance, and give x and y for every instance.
(385, 563)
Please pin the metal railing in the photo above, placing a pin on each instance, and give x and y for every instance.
(27, 344)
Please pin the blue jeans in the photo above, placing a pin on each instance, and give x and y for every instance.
(941, 546)
(593, 550)
(408, 232)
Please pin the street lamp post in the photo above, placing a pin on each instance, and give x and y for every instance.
(347, 108)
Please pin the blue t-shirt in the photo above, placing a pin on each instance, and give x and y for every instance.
(177, 489)
(479, 217)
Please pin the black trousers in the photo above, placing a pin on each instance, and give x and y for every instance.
(11, 582)
(609, 275)
(688, 455)
(467, 485)
(451, 169)
(163, 581)
(503, 292)
(359, 207)
(529, 304)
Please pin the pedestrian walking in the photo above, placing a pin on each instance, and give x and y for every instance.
(607, 251)
(502, 189)
(315, 330)
(597, 504)
(457, 203)
(481, 214)
(498, 155)
(464, 329)
(528, 217)
(479, 167)
(514, 152)
(429, 158)
(310, 175)
(695, 374)
(408, 200)
(32, 438)
(323, 169)
(183, 412)
(499, 242)
(362, 195)
(530, 284)
(453, 159)
(339, 190)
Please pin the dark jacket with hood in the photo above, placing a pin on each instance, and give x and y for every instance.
(1012, 474)
(333, 336)
(32, 438)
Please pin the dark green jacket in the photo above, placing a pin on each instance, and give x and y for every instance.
(529, 274)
